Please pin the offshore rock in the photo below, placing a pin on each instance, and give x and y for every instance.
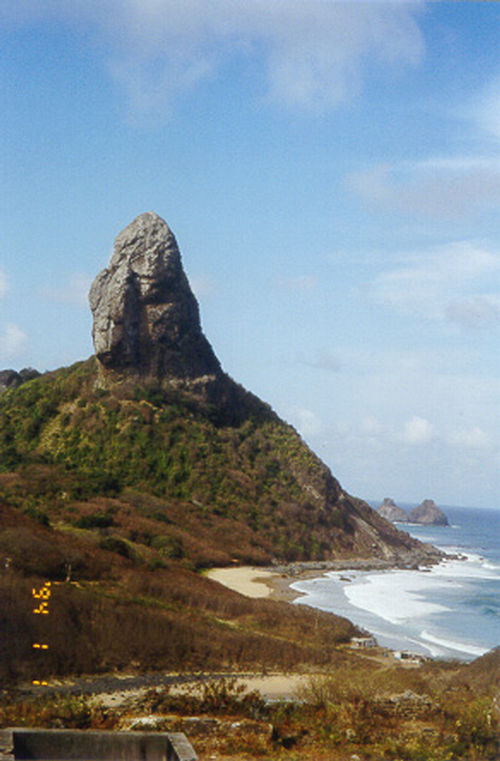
(392, 512)
(146, 318)
(429, 514)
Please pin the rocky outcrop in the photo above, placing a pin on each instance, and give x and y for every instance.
(429, 514)
(146, 318)
(14, 379)
(392, 512)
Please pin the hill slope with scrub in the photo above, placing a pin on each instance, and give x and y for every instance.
(249, 490)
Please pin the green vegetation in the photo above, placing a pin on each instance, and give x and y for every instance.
(240, 470)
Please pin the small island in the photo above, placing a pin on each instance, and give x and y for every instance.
(392, 512)
(426, 514)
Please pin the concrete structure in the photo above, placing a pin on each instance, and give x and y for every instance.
(409, 657)
(88, 745)
(363, 642)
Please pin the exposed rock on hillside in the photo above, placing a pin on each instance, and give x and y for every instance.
(13, 379)
(392, 512)
(146, 318)
(428, 513)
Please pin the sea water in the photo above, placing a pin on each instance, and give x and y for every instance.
(450, 610)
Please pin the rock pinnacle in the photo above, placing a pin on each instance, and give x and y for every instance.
(146, 318)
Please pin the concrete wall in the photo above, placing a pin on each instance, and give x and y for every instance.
(87, 745)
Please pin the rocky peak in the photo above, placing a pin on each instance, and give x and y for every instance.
(428, 513)
(392, 512)
(146, 318)
(13, 379)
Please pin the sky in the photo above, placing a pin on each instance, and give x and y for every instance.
(331, 171)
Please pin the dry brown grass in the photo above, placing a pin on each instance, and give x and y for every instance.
(166, 619)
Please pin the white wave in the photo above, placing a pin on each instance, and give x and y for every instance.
(394, 596)
(432, 650)
(472, 566)
(449, 644)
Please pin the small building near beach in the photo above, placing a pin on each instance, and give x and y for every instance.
(406, 655)
(362, 642)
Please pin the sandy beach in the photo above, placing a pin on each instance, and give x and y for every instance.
(276, 583)
(247, 580)
(260, 582)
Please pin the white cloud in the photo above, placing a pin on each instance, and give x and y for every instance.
(323, 360)
(12, 341)
(482, 311)
(454, 282)
(314, 52)
(391, 433)
(472, 438)
(74, 291)
(317, 50)
(485, 110)
(418, 431)
(306, 421)
(203, 285)
(448, 188)
(441, 188)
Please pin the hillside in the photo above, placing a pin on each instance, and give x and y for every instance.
(123, 476)
(161, 464)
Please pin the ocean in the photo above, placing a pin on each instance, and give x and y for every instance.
(449, 611)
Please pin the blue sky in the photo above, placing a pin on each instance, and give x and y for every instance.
(332, 174)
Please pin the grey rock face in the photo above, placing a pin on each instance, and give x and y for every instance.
(13, 379)
(146, 318)
(9, 379)
(428, 513)
(392, 512)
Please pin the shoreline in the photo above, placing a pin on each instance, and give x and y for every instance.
(274, 582)
(278, 582)
(394, 609)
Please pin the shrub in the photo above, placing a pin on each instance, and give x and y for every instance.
(212, 696)
(115, 544)
(59, 711)
(37, 515)
(169, 546)
(97, 520)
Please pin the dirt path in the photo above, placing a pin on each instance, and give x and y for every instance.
(113, 690)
